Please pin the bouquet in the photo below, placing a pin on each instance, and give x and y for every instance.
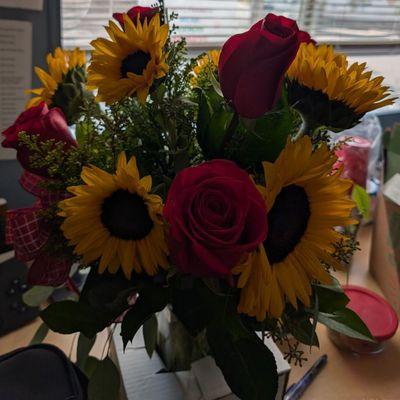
(203, 185)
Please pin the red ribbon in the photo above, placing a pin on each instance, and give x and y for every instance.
(28, 233)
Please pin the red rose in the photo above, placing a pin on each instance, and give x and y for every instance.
(40, 121)
(143, 12)
(253, 64)
(216, 215)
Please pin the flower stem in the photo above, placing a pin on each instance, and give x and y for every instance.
(230, 132)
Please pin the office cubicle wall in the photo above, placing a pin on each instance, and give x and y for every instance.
(45, 37)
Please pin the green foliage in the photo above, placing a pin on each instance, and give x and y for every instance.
(213, 122)
(347, 322)
(71, 94)
(241, 355)
(221, 133)
(150, 334)
(330, 309)
(85, 344)
(262, 139)
(37, 295)
(90, 366)
(104, 383)
(248, 366)
(330, 298)
(69, 317)
(40, 334)
(103, 299)
(151, 300)
(362, 200)
(192, 304)
(299, 325)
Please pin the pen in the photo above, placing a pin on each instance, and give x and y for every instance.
(296, 390)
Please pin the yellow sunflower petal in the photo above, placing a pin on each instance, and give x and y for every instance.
(322, 69)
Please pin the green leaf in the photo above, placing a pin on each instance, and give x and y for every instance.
(105, 381)
(82, 131)
(217, 128)
(69, 317)
(303, 330)
(203, 118)
(213, 119)
(90, 366)
(107, 292)
(85, 344)
(40, 334)
(150, 334)
(347, 322)
(248, 366)
(330, 298)
(262, 139)
(196, 305)
(151, 300)
(216, 85)
(103, 299)
(362, 200)
(37, 295)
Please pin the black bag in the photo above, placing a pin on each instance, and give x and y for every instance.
(40, 372)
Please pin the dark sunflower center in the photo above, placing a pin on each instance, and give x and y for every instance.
(125, 215)
(319, 108)
(287, 222)
(135, 63)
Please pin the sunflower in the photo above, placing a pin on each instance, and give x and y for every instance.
(130, 62)
(205, 64)
(59, 65)
(327, 91)
(305, 202)
(114, 218)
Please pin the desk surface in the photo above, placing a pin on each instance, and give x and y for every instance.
(346, 376)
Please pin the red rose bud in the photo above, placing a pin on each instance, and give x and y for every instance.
(253, 64)
(134, 12)
(216, 215)
(40, 121)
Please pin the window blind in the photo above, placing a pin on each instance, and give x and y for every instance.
(352, 21)
(208, 23)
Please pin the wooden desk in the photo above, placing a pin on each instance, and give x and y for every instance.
(346, 376)
(349, 376)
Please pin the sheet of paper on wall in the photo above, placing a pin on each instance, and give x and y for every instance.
(36, 5)
(15, 72)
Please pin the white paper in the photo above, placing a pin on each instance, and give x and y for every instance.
(15, 72)
(391, 190)
(210, 379)
(36, 5)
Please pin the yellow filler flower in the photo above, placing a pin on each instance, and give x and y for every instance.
(59, 65)
(207, 62)
(114, 218)
(305, 202)
(130, 62)
(329, 92)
